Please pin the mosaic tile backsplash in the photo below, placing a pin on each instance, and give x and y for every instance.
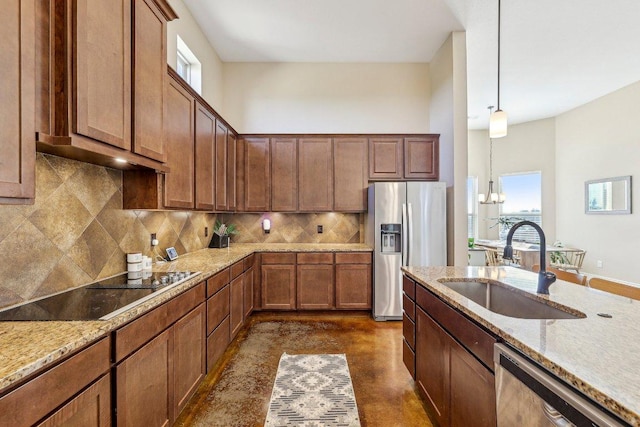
(77, 232)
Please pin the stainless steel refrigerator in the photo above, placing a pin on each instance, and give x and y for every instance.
(406, 225)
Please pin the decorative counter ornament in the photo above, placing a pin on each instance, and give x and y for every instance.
(221, 234)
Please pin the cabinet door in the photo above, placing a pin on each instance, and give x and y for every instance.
(432, 366)
(284, 174)
(205, 157)
(385, 158)
(315, 290)
(143, 382)
(278, 287)
(189, 356)
(353, 286)
(315, 175)
(232, 140)
(102, 71)
(150, 69)
(217, 343)
(473, 394)
(421, 158)
(257, 176)
(350, 166)
(248, 292)
(236, 306)
(17, 102)
(221, 193)
(91, 408)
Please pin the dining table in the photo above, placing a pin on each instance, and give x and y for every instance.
(527, 253)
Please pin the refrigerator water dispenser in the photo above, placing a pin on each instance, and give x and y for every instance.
(391, 240)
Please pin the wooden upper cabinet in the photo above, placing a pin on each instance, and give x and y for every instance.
(421, 158)
(385, 158)
(149, 71)
(256, 174)
(178, 131)
(102, 71)
(221, 189)
(350, 166)
(205, 145)
(17, 133)
(284, 174)
(315, 175)
(232, 157)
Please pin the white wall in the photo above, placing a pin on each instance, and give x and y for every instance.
(327, 98)
(528, 147)
(212, 71)
(600, 139)
(448, 117)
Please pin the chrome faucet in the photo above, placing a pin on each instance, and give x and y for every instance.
(545, 279)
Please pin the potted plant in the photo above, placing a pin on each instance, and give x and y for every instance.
(221, 234)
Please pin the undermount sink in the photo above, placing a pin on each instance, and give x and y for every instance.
(501, 299)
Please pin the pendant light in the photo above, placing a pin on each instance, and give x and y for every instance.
(491, 197)
(498, 119)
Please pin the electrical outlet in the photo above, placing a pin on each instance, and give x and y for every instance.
(206, 231)
(154, 240)
(320, 229)
(599, 263)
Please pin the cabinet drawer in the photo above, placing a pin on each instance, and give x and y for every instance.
(279, 258)
(409, 307)
(474, 338)
(409, 359)
(237, 269)
(32, 401)
(217, 281)
(217, 343)
(315, 258)
(185, 302)
(409, 287)
(133, 335)
(217, 309)
(249, 261)
(409, 331)
(353, 258)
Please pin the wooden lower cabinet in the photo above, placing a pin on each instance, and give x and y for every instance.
(353, 286)
(236, 305)
(248, 292)
(458, 388)
(278, 287)
(189, 356)
(143, 385)
(315, 289)
(217, 343)
(91, 408)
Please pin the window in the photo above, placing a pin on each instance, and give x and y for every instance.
(472, 206)
(188, 66)
(523, 192)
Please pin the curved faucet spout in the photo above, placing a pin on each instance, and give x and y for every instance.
(545, 279)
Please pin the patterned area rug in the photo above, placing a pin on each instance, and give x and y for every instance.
(313, 390)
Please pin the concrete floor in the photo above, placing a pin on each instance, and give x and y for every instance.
(237, 390)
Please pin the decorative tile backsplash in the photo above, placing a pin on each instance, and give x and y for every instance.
(77, 232)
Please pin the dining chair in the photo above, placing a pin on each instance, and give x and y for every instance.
(567, 276)
(570, 261)
(615, 288)
(492, 257)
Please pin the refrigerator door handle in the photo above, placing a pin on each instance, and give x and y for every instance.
(409, 231)
(404, 235)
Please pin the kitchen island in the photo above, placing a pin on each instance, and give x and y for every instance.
(598, 356)
(28, 348)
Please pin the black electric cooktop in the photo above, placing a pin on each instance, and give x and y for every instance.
(100, 300)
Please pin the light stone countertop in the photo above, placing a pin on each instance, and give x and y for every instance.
(598, 356)
(28, 347)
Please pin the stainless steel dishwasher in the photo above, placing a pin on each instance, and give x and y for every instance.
(526, 395)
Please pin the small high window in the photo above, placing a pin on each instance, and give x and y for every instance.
(188, 66)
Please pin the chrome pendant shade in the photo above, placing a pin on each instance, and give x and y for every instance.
(498, 119)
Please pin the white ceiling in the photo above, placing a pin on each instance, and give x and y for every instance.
(556, 54)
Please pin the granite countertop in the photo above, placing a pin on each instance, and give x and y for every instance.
(598, 356)
(27, 347)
